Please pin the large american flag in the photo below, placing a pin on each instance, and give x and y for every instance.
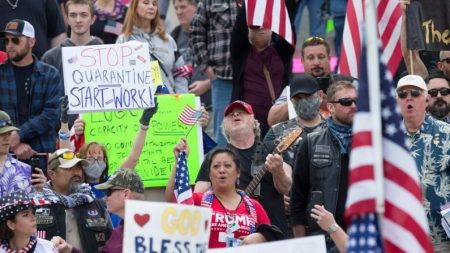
(404, 224)
(270, 14)
(182, 188)
(389, 17)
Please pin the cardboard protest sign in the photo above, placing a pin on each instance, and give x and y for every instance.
(117, 131)
(109, 77)
(164, 227)
(310, 244)
(428, 25)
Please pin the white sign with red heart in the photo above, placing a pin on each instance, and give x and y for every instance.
(157, 227)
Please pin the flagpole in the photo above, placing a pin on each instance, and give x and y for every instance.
(372, 41)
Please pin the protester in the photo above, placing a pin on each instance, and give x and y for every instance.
(315, 55)
(74, 214)
(18, 225)
(243, 136)
(321, 165)
(427, 142)
(439, 97)
(15, 175)
(44, 16)
(109, 17)
(124, 184)
(209, 37)
(29, 92)
(261, 66)
(225, 200)
(142, 23)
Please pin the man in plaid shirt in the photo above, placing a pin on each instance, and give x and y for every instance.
(209, 38)
(29, 93)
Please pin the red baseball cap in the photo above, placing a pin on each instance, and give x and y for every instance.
(238, 103)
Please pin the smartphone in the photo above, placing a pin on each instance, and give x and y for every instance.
(35, 163)
(316, 198)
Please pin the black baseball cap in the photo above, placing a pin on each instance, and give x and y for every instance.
(304, 84)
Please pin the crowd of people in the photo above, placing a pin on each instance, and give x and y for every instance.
(58, 193)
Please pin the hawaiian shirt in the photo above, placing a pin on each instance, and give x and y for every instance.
(430, 147)
(15, 176)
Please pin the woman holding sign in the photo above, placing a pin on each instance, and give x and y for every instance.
(142, 23)
(236, 218)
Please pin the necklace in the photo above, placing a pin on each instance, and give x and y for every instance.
(13, 6)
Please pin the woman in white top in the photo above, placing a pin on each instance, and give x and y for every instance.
(18, 225)
(142, 23)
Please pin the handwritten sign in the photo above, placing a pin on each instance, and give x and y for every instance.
(117, 131)
(108, 77)
(164, 227)
(310, 244)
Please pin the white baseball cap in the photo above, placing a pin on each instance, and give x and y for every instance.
(412, 80)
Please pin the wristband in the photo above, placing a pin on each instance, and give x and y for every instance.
(64, 136)
(144, 127)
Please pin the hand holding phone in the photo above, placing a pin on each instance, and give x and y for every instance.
(35, 164)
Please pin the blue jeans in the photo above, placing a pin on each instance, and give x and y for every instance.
(220, 98)
(316, 23)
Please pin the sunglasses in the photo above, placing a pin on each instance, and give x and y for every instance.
(255, 27)
(404, 93)
(109, 192)
(314, 39)
(4, 123)
(14, 40)
(345, 101)
(434, 92)
(67, 155)
(447, 60)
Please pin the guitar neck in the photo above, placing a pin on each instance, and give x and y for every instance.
(257, 178)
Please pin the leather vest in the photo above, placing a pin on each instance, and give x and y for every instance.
(324, 173)
(93, 221)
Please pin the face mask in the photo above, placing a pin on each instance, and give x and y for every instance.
(95, 169)
(307, 108)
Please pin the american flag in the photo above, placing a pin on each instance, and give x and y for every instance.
(404, 224)
(389, 17)
(270, 14)
(182, 189)
(189, 116)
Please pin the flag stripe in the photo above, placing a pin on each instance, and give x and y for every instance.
(395, 244)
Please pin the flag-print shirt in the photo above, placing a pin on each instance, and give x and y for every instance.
(15, 176)
(210, 35)
(430, 147)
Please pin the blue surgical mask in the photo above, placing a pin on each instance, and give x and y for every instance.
(95, 169)
(307, 108)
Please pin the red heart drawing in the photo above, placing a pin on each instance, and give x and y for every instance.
(141, 220)
(206, 224)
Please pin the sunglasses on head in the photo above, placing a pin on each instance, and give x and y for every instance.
(345, 101)
(109, 192)
(447, 60)
(14, 40)
(4, 123)
(404, 93)
(314, 38)
(434, 92)
(67, 155)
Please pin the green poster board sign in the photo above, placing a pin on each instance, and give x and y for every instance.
(118, 129)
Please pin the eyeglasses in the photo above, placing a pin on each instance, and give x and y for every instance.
(345, 101)
(447, 60)
(4, 123)
(434, 92)
(255, 27)
(14, 40)
(109, 192)
(94, 158)
(404, 93)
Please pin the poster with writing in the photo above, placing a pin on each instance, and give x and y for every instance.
(117, 130)
(152, 227)
(310, 244)
(108, 77)
(428, 25)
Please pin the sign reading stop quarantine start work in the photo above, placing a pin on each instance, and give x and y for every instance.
(109, 77)
(163, 227)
